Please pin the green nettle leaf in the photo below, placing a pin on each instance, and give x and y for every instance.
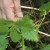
(44, 7)
(42, 13)
(4, 29)
(3, 21)
(3, 42)
(30, 33)
(23, 22)
(27, 20)
(15, 36)
(46, 48)
(7, 23)
(28, 30)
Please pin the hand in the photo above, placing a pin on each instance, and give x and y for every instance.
(10, 9)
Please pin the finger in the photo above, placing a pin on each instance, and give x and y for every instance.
(9, 9)
(18, 11)
(2, 14)
(0, 10)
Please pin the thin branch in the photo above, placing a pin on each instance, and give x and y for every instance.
(44, 33)
(26, 7)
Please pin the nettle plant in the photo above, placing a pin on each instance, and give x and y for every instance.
(45, 9)
(21, 30)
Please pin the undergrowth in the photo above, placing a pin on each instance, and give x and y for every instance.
(24, 32)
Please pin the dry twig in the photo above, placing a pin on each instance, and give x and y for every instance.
(44, 33)
(26, 7)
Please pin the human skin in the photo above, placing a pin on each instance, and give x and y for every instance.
(10, 9)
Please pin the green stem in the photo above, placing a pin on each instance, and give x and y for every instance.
(23, 45)
(43, 19)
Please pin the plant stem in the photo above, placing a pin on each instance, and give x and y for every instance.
(43, 18)
(23, 45)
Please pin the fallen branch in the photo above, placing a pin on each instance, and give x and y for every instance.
(44, 33)
(26, 7)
